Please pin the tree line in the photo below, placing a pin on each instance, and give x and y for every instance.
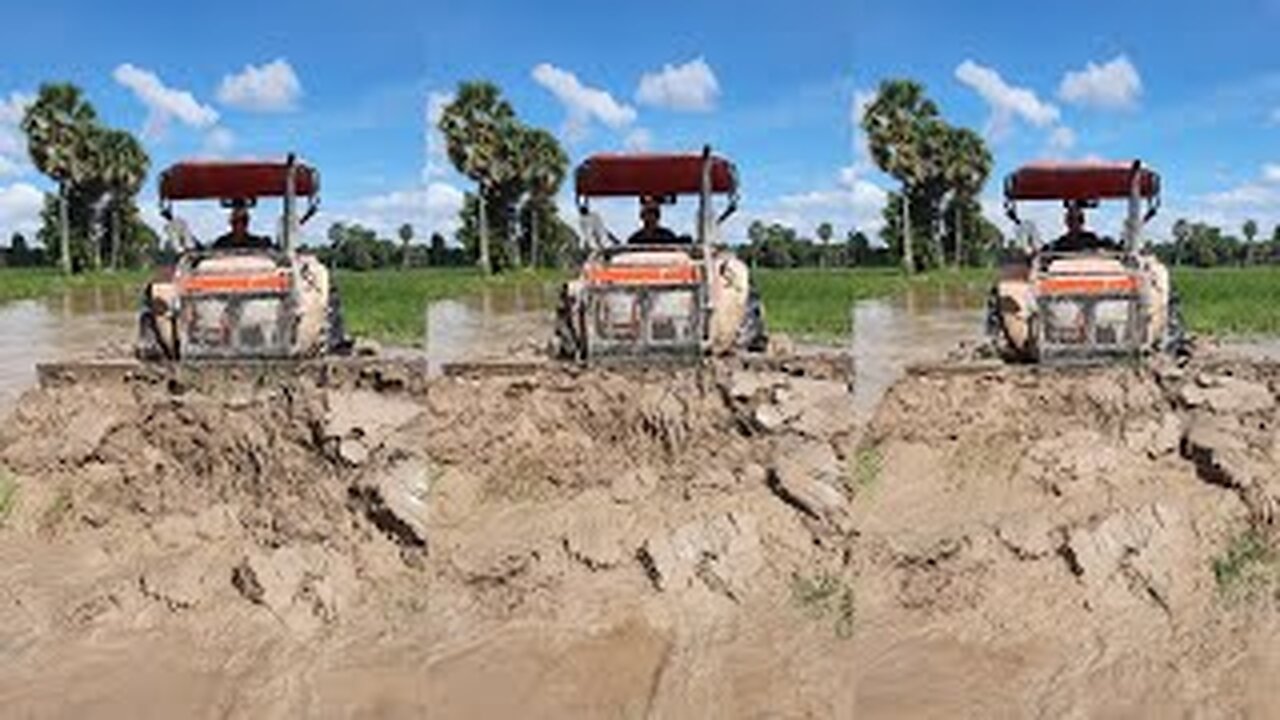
(92, 221)
(517, 171)
(934, 219)
(1203, 245)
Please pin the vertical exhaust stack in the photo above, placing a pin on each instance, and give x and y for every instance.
(290, 204)
(704, 239)
(1133, 221)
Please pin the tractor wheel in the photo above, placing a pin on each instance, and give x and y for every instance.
(1176, 341)
(336, 342)
(752, 335)
(569, 341)
(149, 347)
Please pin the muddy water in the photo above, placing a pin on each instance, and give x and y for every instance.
(75, 324)
(920, 325)
(492, 324)
(889, 333)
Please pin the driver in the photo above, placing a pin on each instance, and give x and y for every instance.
(238, 237)
(651, 232)
(1077, 238)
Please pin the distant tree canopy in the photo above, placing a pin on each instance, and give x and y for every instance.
(776, 245)
(1204, 245)
(941, 170)
(99, 172)
(517, 170)
(356, 247)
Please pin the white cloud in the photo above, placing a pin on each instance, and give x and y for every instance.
(1112, 85)
(13, 144)
(1007, 101)
(436, 162)
(1061, 140)
(858, 106)
(163, 103)
(218, 142)
(430, 208)
(691, 87)
(583, 103)
(20, 205)
(855, 203)
(1271, 172)
(639, 139)
(9, 167)
(1248, 195)
(272, 87)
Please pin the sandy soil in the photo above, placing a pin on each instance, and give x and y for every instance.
(1011, 543)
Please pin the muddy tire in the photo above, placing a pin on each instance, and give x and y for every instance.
(569, 344)
(150, 348)
(1176, 340)
(336, 340)
(752, 335)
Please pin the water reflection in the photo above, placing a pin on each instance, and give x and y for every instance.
(920, 325)
(495, 323)
(74, 324)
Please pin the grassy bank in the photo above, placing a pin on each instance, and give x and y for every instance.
(390, 305)
(28, 283)
(817, 303)
(1230, 301)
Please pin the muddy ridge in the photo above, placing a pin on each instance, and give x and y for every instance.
(713, 543)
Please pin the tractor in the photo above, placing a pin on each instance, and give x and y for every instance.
(243, 297)
(1083, 298)
(659, 296)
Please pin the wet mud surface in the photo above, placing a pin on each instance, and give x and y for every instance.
(714, 543)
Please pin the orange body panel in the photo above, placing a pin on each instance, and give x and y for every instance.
(1104, 285)
(642, 274)
(265, 282)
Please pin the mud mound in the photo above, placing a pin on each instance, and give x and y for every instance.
(294, 513)
(717, 543)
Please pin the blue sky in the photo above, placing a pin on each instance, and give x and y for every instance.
(1191, 88)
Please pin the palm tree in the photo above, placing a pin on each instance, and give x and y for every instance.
(122, 168)
(1181, 234)
(477, 127)
(895, 123)
(1250, 230)
(544, 165)
(406, 236)
(824, 232)
(967, 164)
(59, 126)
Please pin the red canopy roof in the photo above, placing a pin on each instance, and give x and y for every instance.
(652, 174)
(1077, 181)
(234, 180)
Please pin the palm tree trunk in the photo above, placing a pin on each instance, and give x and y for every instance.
(115, 239)
(959, 235)
(404, 255)
(533, 236)
(908, 258)
(64, 237)
(483, 259)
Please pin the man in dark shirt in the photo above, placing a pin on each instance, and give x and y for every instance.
(239, 237)
(651, 232)
(1077, 238)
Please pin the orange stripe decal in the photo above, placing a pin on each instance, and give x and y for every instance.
(642, 274)
(274, 282)
(1104, 285)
